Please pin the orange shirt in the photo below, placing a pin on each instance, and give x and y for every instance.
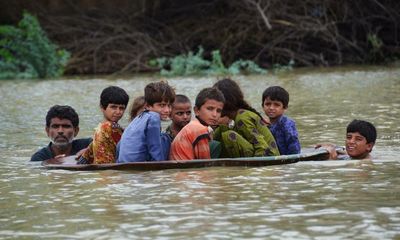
(191, 142)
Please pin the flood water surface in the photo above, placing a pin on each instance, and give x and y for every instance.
(317, 200)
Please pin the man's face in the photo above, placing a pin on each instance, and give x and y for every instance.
(61, 131)
(357, 146)
(181, 114)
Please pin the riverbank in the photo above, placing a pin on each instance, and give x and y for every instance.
(109, 38)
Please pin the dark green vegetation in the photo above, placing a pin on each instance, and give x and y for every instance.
(124, 36)
(26, 52)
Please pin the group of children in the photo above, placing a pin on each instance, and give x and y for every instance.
(225, 125)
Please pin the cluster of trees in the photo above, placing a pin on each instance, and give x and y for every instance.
(124, 36)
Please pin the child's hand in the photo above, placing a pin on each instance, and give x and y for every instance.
(59, 156)
(80, 153)
(266, 120)
(331, 148)
(224, 120)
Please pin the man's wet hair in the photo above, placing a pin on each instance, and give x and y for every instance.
(276, 93)
(113, 95)
(211, 93)
(366, 129)
(157, 92)
(62, 112)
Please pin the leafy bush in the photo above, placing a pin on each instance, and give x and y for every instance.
(278, 68)
(26, 52)
(195, 64)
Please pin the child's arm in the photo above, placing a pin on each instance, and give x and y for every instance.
(181, 149)
(291, 138)
(330, 147)
(201, 148)
(153, 139)
(87, 156)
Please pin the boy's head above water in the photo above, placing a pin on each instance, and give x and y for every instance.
(208, 106)
(360, 138)
(158, 97)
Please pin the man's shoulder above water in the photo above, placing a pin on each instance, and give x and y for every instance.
(46, 153)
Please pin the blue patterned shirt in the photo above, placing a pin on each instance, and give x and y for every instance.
(286, 137)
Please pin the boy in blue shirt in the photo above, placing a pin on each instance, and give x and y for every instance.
(275, 101)
(142, 139)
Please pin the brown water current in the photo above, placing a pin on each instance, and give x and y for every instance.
(305, 200)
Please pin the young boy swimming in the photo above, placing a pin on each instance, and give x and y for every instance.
(360, 139)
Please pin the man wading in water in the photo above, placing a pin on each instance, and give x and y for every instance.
(62, 125)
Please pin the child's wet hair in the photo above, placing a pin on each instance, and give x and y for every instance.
(233, 95)
(180, 98)
(276, 93)
(137, 107)
(157, 92)
(209, 94)
(113, 95)
(365, 128)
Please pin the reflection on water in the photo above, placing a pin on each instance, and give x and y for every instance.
(342, 199)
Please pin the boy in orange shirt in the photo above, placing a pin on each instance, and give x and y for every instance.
(192, 142)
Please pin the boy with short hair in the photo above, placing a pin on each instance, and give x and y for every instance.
(113, 102)
(275, 101)
(360, 139)
(142, 139)
(192, 142)
(181, 114)
(62, 125)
